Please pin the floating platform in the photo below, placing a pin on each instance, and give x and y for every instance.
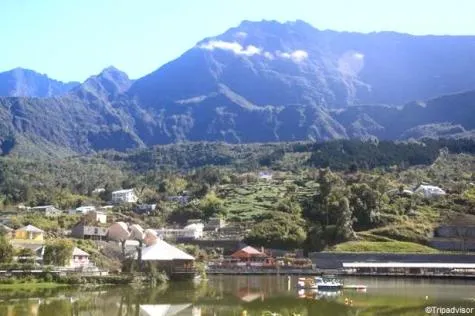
(357, 287)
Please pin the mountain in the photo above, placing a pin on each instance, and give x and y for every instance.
(284, 64)
(107, 85)
(439, 117)
(21, 82)
(261, 82)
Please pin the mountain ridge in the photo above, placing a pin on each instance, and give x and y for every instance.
(262, 82)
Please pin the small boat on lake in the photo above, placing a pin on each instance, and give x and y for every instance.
(319, 283)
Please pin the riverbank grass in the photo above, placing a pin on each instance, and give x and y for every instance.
(32, 286)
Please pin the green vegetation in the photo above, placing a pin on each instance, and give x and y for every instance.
(382, 246)
(320, 195)
(58, 252)
(30, 285)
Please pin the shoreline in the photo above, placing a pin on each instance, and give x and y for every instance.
(32, 285)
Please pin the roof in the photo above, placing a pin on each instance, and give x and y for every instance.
(434, 265)
(42, 206)
(429, 187)
(163, 251)
(162, 309)
(249, 251)
(31, 229)
(79, 252)
(86, 207)
(123, 191)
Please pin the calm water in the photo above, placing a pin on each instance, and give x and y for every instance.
(224, 295)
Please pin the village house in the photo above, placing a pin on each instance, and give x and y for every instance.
(30, 233)
(429, 191)
(118, 231)
(251, 257)
(79, 258)
(106, 208)
(48, 210)
(124, 196)
(267, 176)
(83, 210)
(191, 231)
(145, 208)
(99, 217)
(181, 199)
(175, 262)
(83, 231)
(98, 190)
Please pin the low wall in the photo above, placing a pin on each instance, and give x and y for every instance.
(455, 231)
(334, 260)
(453, 244)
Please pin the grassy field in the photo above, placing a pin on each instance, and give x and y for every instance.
(383, 246)
(249, 201)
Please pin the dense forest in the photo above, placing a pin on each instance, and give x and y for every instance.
(320, 195)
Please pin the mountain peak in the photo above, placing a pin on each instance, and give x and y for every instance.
(109, 83)
(22, 82)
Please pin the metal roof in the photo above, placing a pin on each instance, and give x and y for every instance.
(30, 229)
(433, 265)
(79, 252)
(163, 251)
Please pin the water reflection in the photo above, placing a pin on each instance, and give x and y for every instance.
(239, 296)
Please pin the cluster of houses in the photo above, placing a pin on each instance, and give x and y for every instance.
(425, 190)
(32, 238)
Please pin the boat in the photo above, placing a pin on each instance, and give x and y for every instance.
(319, 283)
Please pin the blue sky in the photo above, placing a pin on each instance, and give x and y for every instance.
(73, 39)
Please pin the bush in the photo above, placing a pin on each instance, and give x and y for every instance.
(48, 277)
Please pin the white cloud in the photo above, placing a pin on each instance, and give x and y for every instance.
(296, 56)
(268, 55)
(232, 46)
(350, 63)
(235, 47)
(251, 50)
(241, 35)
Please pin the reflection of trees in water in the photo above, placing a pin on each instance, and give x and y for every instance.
(220, 296)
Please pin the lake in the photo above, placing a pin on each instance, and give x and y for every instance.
(244, 295)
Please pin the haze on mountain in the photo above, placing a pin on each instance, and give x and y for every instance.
(257, 82)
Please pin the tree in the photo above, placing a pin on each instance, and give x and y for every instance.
(58, 252)
(364, 204)
(344, 224)
(6, 250)
(282, 231)
(212, 205)
(26, 255)
(288, 205)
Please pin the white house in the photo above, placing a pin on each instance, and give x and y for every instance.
(124, 196)
(191, 231)
(429, 191)
(84, 209)
(98, 190)
(100, 217)
(80, 258)
(265, 175)
(48, 210)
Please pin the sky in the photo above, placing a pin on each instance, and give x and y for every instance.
(70, 40)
